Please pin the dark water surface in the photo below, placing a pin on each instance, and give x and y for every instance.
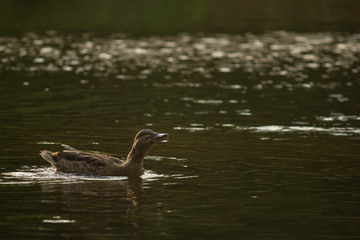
(264, 135)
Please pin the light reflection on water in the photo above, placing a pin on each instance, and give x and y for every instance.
(280, 129)
(274, 54)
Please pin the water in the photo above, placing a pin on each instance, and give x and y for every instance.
(264, 135)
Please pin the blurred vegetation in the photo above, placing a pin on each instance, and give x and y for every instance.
(174, 16)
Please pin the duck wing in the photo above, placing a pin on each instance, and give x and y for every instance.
(82, 162)
(67, 147)
(114, 159)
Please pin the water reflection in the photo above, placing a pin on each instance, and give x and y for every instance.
(115, 203)
(80, 195)
(123, 197)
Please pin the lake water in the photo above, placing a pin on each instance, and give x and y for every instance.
(264, 135)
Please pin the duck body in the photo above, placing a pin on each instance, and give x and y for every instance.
(72, 160)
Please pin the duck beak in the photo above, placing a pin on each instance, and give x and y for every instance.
(160, 137)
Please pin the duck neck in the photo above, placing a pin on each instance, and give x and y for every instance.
(135, 157)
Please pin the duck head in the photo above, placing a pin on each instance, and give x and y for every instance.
(144, 141)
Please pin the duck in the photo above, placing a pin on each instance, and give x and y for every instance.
(71, 160)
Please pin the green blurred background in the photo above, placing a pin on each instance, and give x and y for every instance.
(142, 17)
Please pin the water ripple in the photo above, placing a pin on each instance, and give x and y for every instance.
(340, 131)
(31, 175)
(335, 131)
